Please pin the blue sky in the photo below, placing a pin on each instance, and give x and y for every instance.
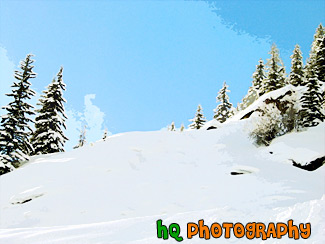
(139, 65)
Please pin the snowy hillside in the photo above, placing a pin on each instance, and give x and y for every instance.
(115, 190)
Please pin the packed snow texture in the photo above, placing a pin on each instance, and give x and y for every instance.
(113, 191)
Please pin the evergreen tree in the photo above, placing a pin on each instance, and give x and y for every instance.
(5, 164)
(311, 101)
(199, 120)
(316, 59)
(182, 128)
(14, 133)
(249, 98)
(320, 59)
(256, 89)
(82, 138)
(223, 110)
(319, 34)
(296, 77)
(48, 136)
(172, 127)
(317, 53)
(275, 78)
(105, 135)
(259, 78)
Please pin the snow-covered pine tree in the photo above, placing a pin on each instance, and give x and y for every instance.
(320, 67)
(256, 89)
(172, 127)
(14, 133)
(311, 101)
(223, 111)
(319, 34)
(320, 59)
(315, 48)
(5, 164)
(48, 136)
(275, 77)
(199, 120)
(82, 138)
(259, 78)
(250, 97)
(316, 59)
(297, 75)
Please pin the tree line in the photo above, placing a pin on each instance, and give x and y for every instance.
(271, 77)
(18, 140)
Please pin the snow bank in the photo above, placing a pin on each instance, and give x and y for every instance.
(114, 191)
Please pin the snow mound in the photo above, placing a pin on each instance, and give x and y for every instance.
(115, 190)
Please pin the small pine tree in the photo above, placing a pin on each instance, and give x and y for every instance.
(223, 110)
(297, 75)
(276, 77)
(249, 98)
(14, 133)
(256, 89)
(172, 127)
(48, 136)
(311, 101)
(105, 135)
(82, 138)
(182, 128)
(199, 120)
(259, 78)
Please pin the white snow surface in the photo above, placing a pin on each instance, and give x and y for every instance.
(115, 190)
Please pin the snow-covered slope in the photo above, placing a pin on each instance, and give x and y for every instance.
(114, 191)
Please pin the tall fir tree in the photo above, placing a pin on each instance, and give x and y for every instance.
(199, 120)
(316, 58)
(320, 59)
(320, 68)
(276, 77)
(15, 130)
(297, 75)
(319, 33)
(223, 110)
(48, 136)
(311, 113)
(317, 52)
(259, 78)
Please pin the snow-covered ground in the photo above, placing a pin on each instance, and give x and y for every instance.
(114, 191)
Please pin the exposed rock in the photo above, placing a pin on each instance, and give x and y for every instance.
(282, 102)
(211, 128)
(312, 165)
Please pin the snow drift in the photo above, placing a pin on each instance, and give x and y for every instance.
(115, 190)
